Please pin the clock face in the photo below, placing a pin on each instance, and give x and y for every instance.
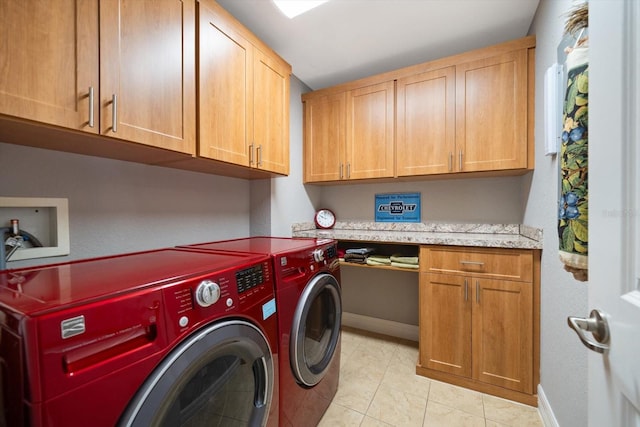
(325, 218)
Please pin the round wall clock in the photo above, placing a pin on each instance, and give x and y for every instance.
(325, 218)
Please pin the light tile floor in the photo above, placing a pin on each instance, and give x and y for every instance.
(379, 387)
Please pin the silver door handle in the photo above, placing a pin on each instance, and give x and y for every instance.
(114, 117)
(91, 123)
(250, 154)
(259, 155)
(597, 325)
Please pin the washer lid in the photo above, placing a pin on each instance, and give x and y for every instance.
(34, 291)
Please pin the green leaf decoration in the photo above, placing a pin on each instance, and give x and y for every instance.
(579, 248)
(583, 83)
(580, 231)
(571, 98)
(580, 101)
(568, 239)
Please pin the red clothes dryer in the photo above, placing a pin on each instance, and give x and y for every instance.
(308, 297)
(166, 337)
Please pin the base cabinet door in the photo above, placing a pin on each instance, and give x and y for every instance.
(445, 323)
(502, 341)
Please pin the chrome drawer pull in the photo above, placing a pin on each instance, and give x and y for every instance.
(479, 263)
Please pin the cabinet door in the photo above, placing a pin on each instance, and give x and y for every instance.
(502, 333)
(324, 138)
(49, 60)
(225, 90)
(147, 66)
(425, 120)
(271, 113)
(491, 115)
(445, 323)
(370, 132)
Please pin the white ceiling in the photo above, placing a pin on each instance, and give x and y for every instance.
(344, 40)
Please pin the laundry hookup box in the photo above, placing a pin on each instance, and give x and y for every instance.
(397, 207)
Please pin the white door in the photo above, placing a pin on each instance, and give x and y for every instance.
(614, 220)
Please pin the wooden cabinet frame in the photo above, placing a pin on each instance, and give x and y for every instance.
(479, 319)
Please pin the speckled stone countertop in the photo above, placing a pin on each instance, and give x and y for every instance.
(430, 233)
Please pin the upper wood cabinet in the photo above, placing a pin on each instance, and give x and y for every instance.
(147, 72)
(243, 95)
(145, 91)
(425, 139)
(491, 113)
(48, 61)
(324, 137)
(470, 113)
(349, 135)
(369, 149)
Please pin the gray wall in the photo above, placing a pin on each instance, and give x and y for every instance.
(563, 358)
(117, 207)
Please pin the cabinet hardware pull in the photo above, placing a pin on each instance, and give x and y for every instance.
(250, 154)
(341, 169)
(114, 117)
(466, 290)
(460, 159)
(259, 154)
(348, 170)
(450, 161)
(479, 263)
(478, 291)
(90, 106)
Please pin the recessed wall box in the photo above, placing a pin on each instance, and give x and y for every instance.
(47, 219)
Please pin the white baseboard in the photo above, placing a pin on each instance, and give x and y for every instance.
(546, 413)
(381, 326)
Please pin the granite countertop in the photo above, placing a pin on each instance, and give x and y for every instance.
(432, 233)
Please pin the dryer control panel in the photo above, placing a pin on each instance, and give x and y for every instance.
(230, 292)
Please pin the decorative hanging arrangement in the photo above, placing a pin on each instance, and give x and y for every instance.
(573, 212)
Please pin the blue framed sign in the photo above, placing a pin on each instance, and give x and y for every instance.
(398, 207)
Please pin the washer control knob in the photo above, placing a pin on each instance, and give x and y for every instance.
(207, 293)
(318, 255)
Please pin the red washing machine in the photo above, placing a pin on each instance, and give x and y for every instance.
(167, 337)
(308, 296)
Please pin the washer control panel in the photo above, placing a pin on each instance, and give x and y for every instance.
(213, 295)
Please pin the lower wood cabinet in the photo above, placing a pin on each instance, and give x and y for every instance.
(479, 317)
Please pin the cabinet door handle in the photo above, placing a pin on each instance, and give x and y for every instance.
(478, 263)
(114, 116)
(341, 169)
(348, 170)
(250, 154)
(460, 159)
(259, 154)
(450, 161)
(478, 291)
(466, 290)
(91, 106)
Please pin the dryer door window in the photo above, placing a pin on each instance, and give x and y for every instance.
(316, 329)
(222, 375)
